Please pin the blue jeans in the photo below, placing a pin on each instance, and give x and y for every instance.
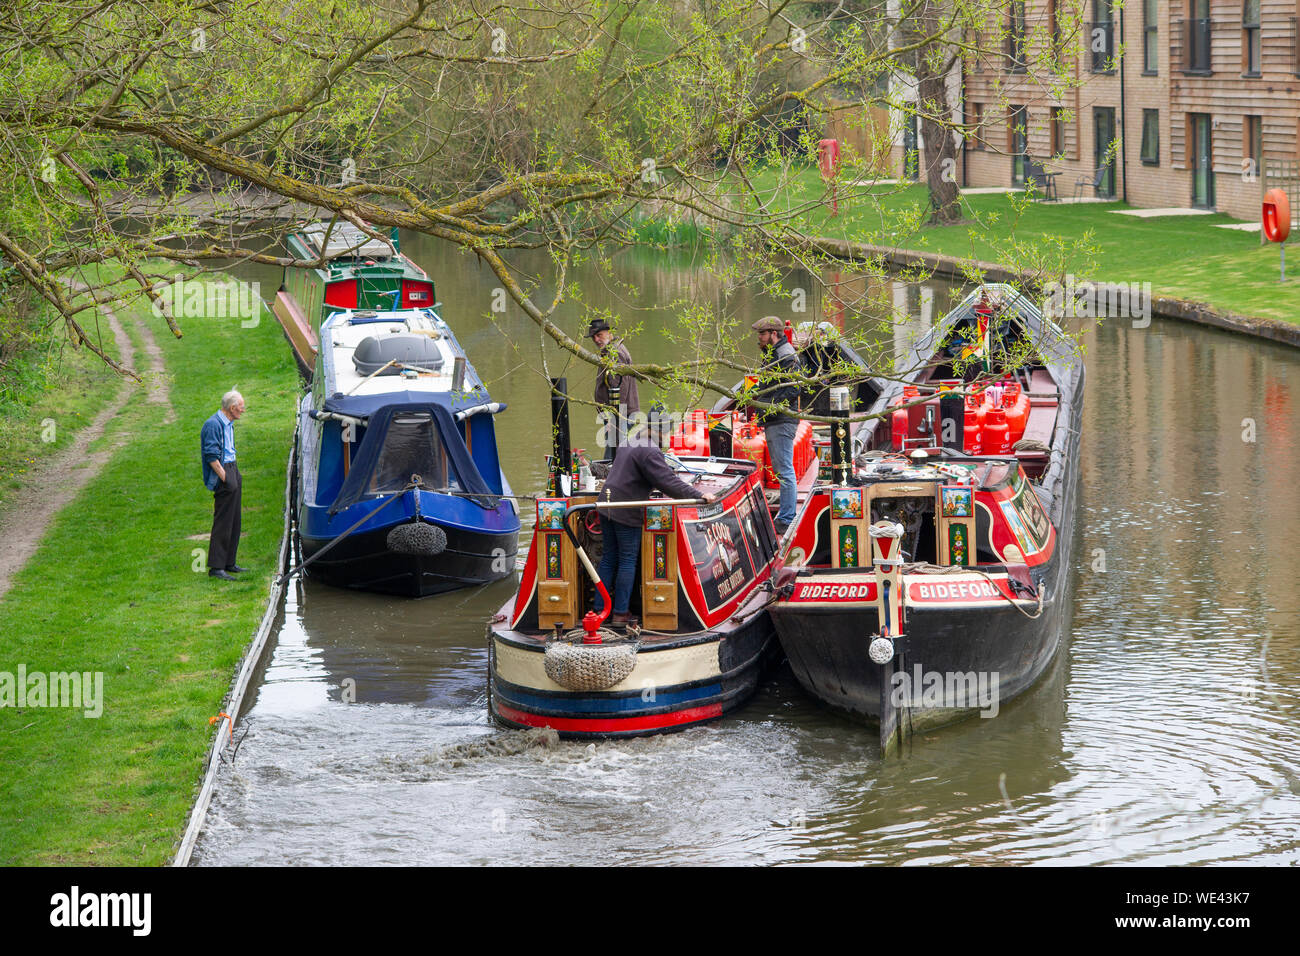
(618, 562)
(780, 448)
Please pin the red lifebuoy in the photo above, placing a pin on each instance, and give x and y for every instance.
(1276, 216)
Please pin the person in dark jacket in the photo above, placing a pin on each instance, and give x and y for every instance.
(638, 470)
(779, 428)
(616, 395)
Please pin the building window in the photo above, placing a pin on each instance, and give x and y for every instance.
(1250, 37)
(1252, 146)
(1151, 137)
(1017, 38)
(1058, 131)
(1101, 37)
(976, 134)
(1150, 34)
(1196, 39)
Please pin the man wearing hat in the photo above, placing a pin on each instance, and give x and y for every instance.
(615, 394)
(779, 428)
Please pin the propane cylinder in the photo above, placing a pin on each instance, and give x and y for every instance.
(996, 436)
(900, 424)
(971, 427)
(1016, 404)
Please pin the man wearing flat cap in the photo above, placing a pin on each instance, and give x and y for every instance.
(779, 428)
(615, 394)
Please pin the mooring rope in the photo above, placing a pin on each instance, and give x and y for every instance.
(924, 567)
(413, 483)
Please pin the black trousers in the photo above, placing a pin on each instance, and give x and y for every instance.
(224, 540)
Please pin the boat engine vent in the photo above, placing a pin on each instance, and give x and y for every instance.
(419, 351)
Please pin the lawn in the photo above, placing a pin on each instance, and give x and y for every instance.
(114, 589)
(1183, 257)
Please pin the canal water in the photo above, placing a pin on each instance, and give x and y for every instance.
(1166, 732)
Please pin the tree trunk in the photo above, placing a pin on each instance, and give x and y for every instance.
(940, 151)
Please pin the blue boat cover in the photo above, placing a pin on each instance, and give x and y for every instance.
(399, 441)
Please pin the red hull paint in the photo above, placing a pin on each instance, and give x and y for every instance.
(606, 725)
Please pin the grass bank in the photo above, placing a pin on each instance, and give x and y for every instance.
(49, 391)
(113, 590)
(1183, 257)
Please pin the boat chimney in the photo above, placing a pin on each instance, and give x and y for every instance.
(458, 374)
(840, 445)
(561, 460)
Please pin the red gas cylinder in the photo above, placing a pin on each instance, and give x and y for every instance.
(1016, 404)
(996, 435)
(749, 442)
(692, 438)
(900, 424)
(971, 427)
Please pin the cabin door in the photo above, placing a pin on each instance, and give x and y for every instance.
(1103, 120)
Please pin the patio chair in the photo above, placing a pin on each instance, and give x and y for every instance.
(1083, 182)
(1041, 179)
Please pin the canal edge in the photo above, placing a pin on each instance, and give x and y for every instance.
(234, 699)
(953, 267)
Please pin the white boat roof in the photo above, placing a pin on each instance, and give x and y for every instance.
(347, 240)
(344, 331)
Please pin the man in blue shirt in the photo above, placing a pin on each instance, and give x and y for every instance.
(221, 476)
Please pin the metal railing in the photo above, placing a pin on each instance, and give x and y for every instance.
(1194, 37)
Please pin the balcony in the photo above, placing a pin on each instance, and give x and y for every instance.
(1194, 55)
(1101, 45)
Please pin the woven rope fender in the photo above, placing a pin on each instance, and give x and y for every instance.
(417, 538)
(590, 666)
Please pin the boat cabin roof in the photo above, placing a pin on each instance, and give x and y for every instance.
(356, 345)
(345, 241)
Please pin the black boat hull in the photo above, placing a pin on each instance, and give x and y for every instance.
(364, 561)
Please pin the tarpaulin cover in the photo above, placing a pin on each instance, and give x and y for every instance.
(402, 440)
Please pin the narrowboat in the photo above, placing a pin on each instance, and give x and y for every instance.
(699, 638)
(930, 579)
(399, 484)
(354, 271)
(730, 428)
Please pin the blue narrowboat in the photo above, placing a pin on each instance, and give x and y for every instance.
(399, 485)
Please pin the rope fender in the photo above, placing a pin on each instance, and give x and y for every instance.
(587, 667)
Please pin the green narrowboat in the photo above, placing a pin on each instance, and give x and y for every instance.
(359, 272)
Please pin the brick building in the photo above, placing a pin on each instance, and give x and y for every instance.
(1199, 103)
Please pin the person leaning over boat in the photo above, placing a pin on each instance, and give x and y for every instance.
(616, 395)
(779, 428)
(639, 469)
(222, 478)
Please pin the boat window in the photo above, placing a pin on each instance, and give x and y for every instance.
(412, 446)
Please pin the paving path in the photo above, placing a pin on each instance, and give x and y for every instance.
(57, 480)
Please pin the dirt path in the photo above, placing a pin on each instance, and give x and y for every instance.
(58, 479)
